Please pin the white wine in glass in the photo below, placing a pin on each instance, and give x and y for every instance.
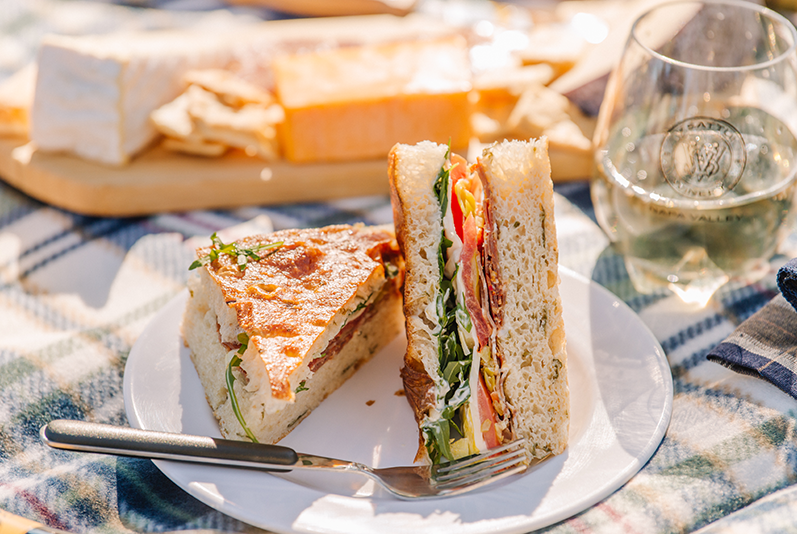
(695, 146)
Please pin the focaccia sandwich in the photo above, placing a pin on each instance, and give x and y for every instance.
(277, 322)
(485, 361)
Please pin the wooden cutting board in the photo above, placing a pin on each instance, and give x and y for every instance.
(159, 181)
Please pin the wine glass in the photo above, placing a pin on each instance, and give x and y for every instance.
(695, 146)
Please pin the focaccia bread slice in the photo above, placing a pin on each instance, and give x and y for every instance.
(531, 331)
(316, 305)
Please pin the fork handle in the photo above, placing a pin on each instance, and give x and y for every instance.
(123, 441)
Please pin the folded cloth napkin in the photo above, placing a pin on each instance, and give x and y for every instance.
(787, 281)
(765, 344)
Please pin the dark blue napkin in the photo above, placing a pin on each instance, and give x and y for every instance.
(787, 282)
(765, 345)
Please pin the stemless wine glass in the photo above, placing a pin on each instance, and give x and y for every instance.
(695, 146)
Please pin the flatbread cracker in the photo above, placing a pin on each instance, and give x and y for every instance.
(194, 147)
(199, 122)
(251, 142)
(555, 45)
(249, 118)
(252, 127)
(173, 120)
(543, 111)
(498, 91)
(229, 88)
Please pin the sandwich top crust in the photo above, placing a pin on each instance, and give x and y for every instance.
(299, 293)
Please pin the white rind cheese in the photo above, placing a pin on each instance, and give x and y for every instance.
(94, 94)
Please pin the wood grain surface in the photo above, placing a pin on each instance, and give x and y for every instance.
(161, 181)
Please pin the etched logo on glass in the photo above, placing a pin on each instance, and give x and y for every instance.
(702, 157)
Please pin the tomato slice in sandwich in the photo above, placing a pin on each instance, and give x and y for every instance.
(487, 414)
(459, 171)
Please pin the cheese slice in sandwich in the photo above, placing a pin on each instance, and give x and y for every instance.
(485, 361)
(277, 322)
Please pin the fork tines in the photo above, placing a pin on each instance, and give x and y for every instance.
(478, 469)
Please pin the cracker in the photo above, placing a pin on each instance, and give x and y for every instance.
(253, 143)
(252, 127)
(229, 88)
(499, 89)
(173, 120)
(194, 147)
(249, 118)
(200, 122)
(555, 45)
(543, 111)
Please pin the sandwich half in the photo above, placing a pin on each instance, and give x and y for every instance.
(277, 322)
(485, 361)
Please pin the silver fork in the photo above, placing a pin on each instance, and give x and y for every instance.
(407, 482)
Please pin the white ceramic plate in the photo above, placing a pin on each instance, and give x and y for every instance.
(621, 401)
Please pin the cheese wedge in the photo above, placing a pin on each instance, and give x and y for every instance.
(357, 102)
(94, 94)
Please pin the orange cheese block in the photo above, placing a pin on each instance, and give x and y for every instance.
(357, 102)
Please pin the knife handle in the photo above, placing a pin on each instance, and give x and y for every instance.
(124, 441)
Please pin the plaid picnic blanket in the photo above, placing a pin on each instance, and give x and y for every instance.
(76, 291)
